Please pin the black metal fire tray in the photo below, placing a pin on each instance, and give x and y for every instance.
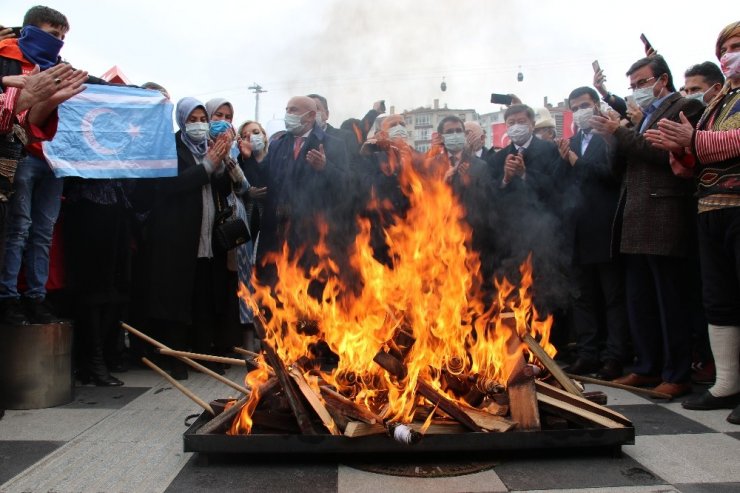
(219, 443)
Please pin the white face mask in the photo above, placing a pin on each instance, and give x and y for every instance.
(293, 123)
(454, 142)
(582, 118)
(197, 131)
(644, 97)
(398, 132)
(730, 63)
(519, 133)
(257, 141)
(699, 96)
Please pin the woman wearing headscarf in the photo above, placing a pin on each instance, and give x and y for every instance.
(253, 141)
(712, 153)
(187, 275)
(238, 260)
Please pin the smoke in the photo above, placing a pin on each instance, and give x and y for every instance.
(399, 52)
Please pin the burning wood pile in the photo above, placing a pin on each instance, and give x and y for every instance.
(419, 348)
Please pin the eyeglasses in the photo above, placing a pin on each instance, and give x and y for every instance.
(640, 83)
(583, 106)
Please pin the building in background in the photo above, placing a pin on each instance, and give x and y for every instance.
(494, 123)
(421, 123)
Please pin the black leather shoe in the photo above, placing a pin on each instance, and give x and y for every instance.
(106, 381)
(734, 416)
(707, 401)
(102, 380)
(610, 370)
(583, 366)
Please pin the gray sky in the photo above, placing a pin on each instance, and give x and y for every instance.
(356, 52)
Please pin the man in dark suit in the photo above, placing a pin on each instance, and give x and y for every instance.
(525, 166)
(471, 182)
(657, 233)
(593, 193)
(527, 214)
(304, 172)
(322, 118)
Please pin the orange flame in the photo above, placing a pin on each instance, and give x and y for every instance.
(432, 290)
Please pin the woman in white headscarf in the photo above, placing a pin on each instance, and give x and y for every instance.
(184, 286)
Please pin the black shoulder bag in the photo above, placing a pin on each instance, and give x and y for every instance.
(229, 231)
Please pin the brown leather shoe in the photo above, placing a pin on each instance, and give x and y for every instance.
(674, 389)
(636, 380)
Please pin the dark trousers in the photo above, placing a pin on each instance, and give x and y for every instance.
(659, 310)
(600, 302)
(719, 252)
(208, 305)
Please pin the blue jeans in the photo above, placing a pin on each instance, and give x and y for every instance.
(34, 208)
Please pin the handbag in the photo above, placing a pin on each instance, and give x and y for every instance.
(228, 231)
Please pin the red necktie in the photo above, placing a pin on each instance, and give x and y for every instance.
(297, 147)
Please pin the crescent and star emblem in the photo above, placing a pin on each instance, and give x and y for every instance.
(88, 122)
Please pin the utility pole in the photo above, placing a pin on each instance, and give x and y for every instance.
(257, 90)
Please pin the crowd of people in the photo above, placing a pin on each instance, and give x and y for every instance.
(633, 223)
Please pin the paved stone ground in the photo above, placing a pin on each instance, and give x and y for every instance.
(129, 439)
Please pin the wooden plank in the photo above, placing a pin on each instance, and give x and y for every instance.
(360, 429)
(225, 419)
(294, 397)
(348, 407)
(314, 401)
(446, 405)
(575, 413)
(520, 386)
(488, 421)
(550, 364)
(581, 402)
(523, 399)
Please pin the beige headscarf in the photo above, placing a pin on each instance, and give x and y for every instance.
(731, 30)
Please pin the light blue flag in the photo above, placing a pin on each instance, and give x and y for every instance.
(114, 132)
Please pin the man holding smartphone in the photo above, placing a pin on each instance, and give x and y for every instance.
(656, 233)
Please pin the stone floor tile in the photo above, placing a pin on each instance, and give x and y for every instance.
(651, 419)
(54, 424)
(574, 471)
(16, 455)
(715, 420)
(239, 474)
(699, 458)
(709, 488)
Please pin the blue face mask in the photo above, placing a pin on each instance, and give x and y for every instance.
(219, 127)
(40, 47)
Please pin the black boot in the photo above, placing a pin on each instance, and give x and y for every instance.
(96, 372)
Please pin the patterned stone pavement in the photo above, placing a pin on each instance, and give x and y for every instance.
(129, 439)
